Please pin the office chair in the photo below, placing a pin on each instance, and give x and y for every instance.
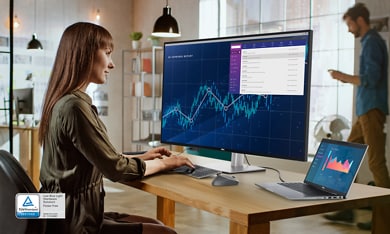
(13, 180)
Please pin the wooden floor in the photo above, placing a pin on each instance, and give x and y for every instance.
(121, 198)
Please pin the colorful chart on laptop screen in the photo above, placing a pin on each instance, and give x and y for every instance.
(336, 164)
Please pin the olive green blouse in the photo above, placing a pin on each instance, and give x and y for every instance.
(77, 154)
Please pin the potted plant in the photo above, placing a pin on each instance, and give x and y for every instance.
(136, 37)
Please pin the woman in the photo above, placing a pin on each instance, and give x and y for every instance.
(76, 149)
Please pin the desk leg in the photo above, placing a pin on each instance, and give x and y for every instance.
(380, 222)
(24, 151)
(166, 211)
(35, 158)
(30, 154)
(236, 228)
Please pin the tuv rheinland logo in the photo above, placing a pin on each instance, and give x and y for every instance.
(27, 206)
(40, 205)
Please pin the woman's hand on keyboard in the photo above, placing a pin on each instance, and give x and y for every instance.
(175, 161)
(160, 159)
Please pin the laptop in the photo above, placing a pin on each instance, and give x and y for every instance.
(330, 176)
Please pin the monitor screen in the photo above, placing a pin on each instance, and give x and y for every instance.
(23, 102)
(245, 94)
(23, 99)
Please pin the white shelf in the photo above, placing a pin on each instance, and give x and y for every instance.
(141, 94)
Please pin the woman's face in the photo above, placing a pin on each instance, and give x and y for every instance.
(102, 66)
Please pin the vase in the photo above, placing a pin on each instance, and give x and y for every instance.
(136, 45)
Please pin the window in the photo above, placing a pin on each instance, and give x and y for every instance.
(333, 45)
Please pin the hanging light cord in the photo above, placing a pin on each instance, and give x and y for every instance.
(35, 15)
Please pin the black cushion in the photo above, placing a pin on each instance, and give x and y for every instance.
(13, 180)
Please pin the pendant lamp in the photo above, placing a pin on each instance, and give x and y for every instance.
(34, 43)
(166, 25)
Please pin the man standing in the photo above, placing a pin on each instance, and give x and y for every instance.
(371, 107)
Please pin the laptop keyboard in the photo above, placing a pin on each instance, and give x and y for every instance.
(304, 188)
(199, 172)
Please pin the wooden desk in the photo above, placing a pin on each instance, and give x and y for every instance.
(29, 150)
(249, 208)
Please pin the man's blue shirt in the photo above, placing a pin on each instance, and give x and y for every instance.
(372, 91)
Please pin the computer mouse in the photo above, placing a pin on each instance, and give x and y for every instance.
(224, 180)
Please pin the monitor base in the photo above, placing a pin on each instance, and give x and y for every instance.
(236, 165)
(226, 167)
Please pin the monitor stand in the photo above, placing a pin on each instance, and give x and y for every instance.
(236, 165)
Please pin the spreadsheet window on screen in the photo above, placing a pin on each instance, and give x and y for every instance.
(247, 94)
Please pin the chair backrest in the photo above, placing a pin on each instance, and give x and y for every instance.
(13, 180)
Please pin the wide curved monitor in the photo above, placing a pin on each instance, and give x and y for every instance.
(245, 94)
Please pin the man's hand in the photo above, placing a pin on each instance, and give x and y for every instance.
(337, 75)
(345, 78)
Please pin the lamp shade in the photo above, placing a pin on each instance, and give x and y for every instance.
(166, 25)
(34, 43)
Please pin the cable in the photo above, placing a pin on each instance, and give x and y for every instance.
(270, 168)
(274, 169)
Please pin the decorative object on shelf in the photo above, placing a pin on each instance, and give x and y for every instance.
(35, 43)
(136, 65)
(166, 25)
(380, 24)
(136, 37)
(147, 65)
(137, 89)
(155, 41)
(28, 121)
(151, 115)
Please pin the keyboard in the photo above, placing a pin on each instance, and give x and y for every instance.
(199, 172)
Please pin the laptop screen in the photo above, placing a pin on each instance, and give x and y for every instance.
(335, 165)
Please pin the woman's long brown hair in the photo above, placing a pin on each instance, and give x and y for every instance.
(72, 66)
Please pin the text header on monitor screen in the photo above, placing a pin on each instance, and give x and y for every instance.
(246, 94)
